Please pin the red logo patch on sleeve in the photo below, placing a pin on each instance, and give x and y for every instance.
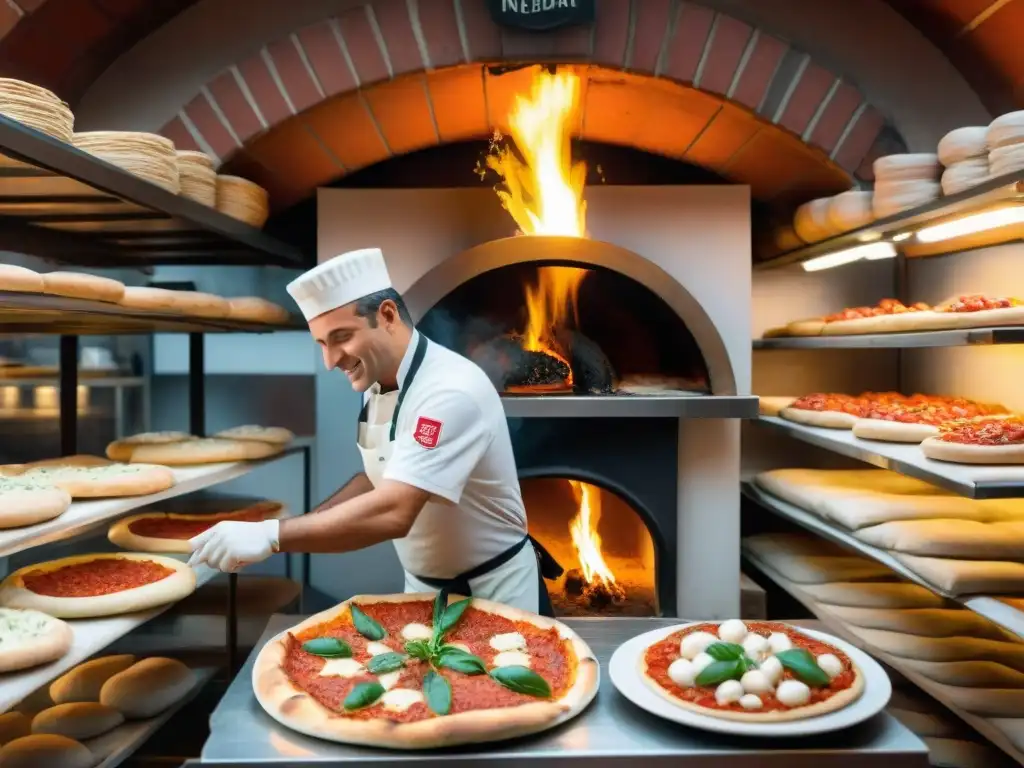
(427, 432)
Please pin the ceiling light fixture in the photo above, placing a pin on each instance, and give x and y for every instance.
(970, 225)
(870, 251)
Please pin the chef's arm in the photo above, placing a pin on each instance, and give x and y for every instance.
(381, 514)
(357, 486)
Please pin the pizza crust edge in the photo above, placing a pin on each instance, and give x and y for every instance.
(120, 533)
(826, 419)
(962, 453)
(52, 645)
(297, 710)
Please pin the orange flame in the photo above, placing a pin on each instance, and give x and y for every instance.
(585, 538)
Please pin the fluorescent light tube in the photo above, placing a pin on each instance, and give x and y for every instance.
(968, 225)
(870, 251)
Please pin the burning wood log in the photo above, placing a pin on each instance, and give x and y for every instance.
(594, 595)
(592, 372)
(512, 368)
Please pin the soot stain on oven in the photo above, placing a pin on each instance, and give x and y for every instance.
(550, 329)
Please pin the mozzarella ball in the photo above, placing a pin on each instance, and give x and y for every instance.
(756, 646)
(779, 641)
(772, 669)
(700, 661)
(694, 643)
(830, 665)
(756, 681)
(728, 692)
(682, 673)
(732, 631)
(793, 693)
(750, 701)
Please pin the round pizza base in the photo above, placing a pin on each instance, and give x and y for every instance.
(773, 405)
(179, 584)
(840, 700)
(960, 453)
(256, 310)
(109, 481)
(50, 643)
(893, 431)
(986, 317)
(20, 279)
(297, 710)
(207, 450)
(272, 435)
(854, 326)
(827, 419)
(813, 327)
(144, 297)
(80, 286)
(22, 505)
(120, 533)
(121, 450)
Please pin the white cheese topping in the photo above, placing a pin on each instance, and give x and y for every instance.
(772, 669)
(750, 701)
(510, 641)
(341, 668)
(700, 661)
(376, 649)
(793, 693)
(779, 642)
(755, 681)
(732, 631)
(400, 699)
(830, 665)
(756, 646)
(389, 679)
(19, 627)
(417, 632)
(728, 692)
(681, 673)
(512, 659)
(695, 643)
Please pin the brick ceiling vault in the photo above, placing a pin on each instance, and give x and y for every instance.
(677, 79)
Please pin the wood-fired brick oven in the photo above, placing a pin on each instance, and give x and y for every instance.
(670, 460)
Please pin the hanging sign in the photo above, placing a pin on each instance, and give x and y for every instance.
(539, 15)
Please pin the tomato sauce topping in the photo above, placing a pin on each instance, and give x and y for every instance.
(831, 402)
(551, 657)
(977, 302)
(167, 527)
(103, 576)
(660, 655)
(921, 409)
(884, 307)
(990, 432)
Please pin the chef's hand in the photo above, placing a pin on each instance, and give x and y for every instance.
(229, 545)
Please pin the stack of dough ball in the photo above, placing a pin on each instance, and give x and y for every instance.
(84, 682)
(44, 750)
(148, 687)
(242, 199)
(811, 221)
(198, 178)
(964, 154)
(146, 155)
(905, 181)
(1005, 142)
(37, 108)
(850, 210)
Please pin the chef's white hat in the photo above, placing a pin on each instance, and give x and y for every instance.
(340, 281)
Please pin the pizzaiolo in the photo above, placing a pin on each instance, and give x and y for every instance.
(433, 437)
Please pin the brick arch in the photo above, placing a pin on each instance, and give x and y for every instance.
(675, 78)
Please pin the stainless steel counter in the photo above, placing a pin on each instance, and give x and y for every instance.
(611, 732)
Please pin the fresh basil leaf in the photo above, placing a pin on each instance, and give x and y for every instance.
(719, 671)
(440, 603)
(418, 649)
(724, 651)
(386, 662)
(363, 695)
(366, 626)
(522, 680)
(460, 661)
(453, 613)
(801, 663)
(328, 647)
(437, 692)
(747, 663)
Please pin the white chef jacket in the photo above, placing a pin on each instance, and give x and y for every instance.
(452, 440)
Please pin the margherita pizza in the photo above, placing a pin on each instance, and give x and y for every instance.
(415, 671)
(757, 672)
(170, 532)
(991, 440)
(85, 586)
(917, 418)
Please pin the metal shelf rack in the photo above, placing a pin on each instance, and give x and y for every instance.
(965, 337)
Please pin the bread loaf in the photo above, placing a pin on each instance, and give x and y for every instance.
(148, 688)
(45, 751)
(80, 720)
(83, 683)
(14, 725)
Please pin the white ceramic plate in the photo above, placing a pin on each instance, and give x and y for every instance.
(623, 670)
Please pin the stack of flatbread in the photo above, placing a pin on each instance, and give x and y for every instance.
(198, 178)
(245, 443)
(146, 155)
(242, 199)
(37, 108)
(257, 310)
(960, 546)
(962, 659)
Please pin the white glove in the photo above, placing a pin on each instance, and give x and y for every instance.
(230, 545)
